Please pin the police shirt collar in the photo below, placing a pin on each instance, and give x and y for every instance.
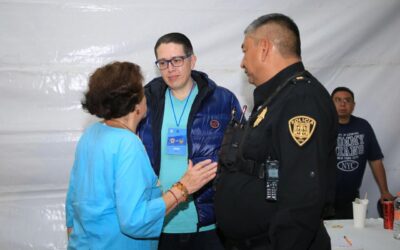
(266, 89)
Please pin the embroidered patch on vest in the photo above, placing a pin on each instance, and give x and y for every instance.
(214, 123)
(301, 128)
(260, 117)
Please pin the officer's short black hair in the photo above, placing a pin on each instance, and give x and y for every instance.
(343, 89)
(177, 38)
(288, 37)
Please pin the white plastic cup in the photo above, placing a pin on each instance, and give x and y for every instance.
(360, 213)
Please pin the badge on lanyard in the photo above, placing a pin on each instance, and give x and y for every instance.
(176, 141)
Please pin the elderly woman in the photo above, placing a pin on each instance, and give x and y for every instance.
(114, 200)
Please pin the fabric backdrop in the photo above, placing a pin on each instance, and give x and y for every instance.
(49, 47)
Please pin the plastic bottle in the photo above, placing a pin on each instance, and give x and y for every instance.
(396, 219)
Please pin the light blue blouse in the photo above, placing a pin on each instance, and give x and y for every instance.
(113, 201)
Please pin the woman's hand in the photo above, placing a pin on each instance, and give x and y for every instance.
(198, 175)
(194, 178)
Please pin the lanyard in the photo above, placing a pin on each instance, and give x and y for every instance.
(184, 107)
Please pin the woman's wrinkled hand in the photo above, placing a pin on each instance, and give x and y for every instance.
(198, 175)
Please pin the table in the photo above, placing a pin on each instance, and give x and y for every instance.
(372, 237)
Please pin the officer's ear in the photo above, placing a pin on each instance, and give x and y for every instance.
(265, 47)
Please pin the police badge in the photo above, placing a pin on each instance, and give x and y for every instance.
(301, 128)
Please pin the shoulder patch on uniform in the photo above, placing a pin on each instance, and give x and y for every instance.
(302, 128)
(260, 117)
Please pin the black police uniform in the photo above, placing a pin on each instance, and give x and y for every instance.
(297, 128)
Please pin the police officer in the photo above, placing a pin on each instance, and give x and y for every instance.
(273, 195)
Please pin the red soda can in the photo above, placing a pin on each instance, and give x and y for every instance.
(388, 214)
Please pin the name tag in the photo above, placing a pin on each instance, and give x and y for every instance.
(176, 141)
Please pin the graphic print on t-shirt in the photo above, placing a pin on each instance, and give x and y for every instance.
(349, 148)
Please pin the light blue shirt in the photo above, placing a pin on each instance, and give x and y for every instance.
(113, 201)
(182, 219)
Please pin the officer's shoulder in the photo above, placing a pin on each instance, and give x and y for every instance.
(308, 85)
(303, 79)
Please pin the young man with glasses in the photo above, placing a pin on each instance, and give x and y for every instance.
(186, 119)
(356, 144)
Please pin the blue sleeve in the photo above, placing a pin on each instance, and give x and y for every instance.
(140, 206)
(69, 211)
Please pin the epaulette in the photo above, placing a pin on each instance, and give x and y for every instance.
(304, 78)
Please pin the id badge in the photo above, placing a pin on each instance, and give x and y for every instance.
(176, 141)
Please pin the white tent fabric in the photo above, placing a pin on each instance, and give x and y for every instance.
(49, 47)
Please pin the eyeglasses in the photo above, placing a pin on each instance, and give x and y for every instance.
(343, 100)
(176, 61)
